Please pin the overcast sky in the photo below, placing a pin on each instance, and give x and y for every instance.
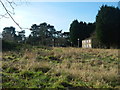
(59, 14)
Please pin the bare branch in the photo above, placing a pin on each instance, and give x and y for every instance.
(1, 16)
(8, 12)
(10, 3)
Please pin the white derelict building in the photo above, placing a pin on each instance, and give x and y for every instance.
(87, 43)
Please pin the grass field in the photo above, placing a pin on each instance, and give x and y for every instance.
(60, 68)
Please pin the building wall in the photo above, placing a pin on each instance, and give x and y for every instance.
(87, 43)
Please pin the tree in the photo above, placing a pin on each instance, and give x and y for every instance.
(21, 36)
(108, 26)
(90, 29)
(51, 31)
(34, 28)
(9, 34)
(80, 30)
(74, 31)
(34, 37)
(42, 33)
(66, 38)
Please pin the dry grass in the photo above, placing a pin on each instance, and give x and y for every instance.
(90, 68)
(96, 66)
(89, 73)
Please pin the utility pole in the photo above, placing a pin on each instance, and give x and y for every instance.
(78, 43)
(71, 44)
(53, 40)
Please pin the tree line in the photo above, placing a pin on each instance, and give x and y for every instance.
(105, 30)
(42, 34)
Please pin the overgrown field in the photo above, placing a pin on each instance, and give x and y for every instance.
(60, 68)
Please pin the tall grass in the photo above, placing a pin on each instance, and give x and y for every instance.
(61, 68)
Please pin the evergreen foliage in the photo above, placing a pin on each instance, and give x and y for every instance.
(108, 26)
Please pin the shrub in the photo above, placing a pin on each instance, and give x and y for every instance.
(8, 46)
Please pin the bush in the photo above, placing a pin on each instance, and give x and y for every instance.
(8, 46)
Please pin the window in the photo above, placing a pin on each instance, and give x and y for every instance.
(89, 41)
(86, 46)
(90, 45)
(86, 41)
